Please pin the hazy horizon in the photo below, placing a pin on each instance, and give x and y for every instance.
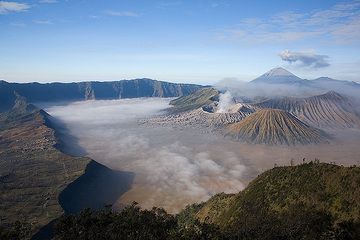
(169, 80)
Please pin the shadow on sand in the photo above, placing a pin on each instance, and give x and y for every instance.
(98, 187)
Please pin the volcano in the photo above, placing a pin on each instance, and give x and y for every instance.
(274, 126)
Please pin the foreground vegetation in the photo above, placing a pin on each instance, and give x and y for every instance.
(132, 223)
(309, 201)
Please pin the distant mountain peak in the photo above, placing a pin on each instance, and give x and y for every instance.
(278, 75)
(279, 71)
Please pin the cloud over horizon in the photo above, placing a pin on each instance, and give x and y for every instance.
(306, 59)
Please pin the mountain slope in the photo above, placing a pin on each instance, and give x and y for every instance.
(32, 171)
(37, 92)
(200, 109)
(328, 110)
(309, 201)
(195, 100)
(38, 182)
(272, 126)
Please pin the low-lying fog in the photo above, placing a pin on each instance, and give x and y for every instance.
(172, 167)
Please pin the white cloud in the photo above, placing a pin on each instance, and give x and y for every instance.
(122, 13)
(12, 7)
(340, 23)
(307, 59)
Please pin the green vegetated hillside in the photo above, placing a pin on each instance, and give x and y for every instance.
(195, 100)
(309, 201)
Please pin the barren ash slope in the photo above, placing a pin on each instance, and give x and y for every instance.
(329, 110)
(296, 120)
(273, 126)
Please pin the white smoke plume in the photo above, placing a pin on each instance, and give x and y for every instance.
(225, 102)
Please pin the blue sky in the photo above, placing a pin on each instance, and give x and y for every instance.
(176, 40)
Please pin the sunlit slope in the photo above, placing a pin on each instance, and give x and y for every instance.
(32, 171)
(274, 126)
(195, 100)
(299, 202)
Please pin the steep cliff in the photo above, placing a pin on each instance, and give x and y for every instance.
(51, 92)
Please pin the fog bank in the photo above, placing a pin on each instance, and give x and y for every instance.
(172, 167)
(176, 167)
